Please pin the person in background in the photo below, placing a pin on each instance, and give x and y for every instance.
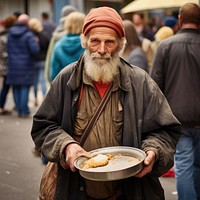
(48, 25)
(2, 27)
(176, 69)
(142, 30)
(17, 13)
(132, 51)
(136, 115)
(68, 49)
(57, 34)
(21, 48)
(162, 33)
(146, 47)
(36, 26)
(7, 23)
(171, 22)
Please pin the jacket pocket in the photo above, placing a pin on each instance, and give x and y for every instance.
(117, 125)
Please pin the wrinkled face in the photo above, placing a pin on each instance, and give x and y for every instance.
(102, 54)
(103, 41)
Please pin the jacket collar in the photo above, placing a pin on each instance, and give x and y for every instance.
(189, 30)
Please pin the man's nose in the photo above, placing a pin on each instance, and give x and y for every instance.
(102, 48)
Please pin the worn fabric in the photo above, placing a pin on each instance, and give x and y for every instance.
(106, 131)
(148, 123)
(176, 69)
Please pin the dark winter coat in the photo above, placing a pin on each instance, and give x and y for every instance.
(148, 123)
(21, 47)
(43, 43)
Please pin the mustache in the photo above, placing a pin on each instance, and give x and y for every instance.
(102, 56)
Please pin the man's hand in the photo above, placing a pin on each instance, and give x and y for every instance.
(148, 164)
(73, 151)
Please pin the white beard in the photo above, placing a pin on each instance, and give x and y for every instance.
(101, 67)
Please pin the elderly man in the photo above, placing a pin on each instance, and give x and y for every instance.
(136, 115)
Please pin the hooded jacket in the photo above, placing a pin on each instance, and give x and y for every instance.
(148, 123)
(21, 47)
(67, 50)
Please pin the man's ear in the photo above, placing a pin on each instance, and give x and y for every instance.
(122, 44)
(180, 20)
(83, 40)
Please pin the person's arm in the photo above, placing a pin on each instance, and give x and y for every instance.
(47, 132)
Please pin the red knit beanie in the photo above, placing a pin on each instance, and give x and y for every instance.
(104, 17)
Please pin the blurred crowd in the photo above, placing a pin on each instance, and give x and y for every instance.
(34, 50)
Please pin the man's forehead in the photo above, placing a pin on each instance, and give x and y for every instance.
(102, 32)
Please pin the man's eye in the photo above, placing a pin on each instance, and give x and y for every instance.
(109, 42)
(94, 41)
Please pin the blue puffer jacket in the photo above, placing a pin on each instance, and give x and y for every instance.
(67, 50)
(21, 47)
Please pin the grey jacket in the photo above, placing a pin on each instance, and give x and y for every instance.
(148, 124)
(176, 69)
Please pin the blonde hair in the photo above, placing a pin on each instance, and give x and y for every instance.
(35, 24)
(74, 22)
(163, 33)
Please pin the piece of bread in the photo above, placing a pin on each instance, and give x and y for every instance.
(96, 161)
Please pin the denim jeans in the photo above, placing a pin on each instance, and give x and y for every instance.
(4, 93)
(39, 78)
(187, 165)
(21, 97)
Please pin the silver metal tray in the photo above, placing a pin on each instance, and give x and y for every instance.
(126, 162)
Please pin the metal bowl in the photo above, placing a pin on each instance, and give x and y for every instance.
(126, 162)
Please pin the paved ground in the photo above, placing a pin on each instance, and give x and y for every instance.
(20, 170)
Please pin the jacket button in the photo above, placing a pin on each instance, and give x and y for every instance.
(81, 188)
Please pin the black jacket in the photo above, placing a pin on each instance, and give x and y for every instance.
(176, 69)
(148, 124)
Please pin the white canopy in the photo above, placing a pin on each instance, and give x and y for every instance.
(144, 5)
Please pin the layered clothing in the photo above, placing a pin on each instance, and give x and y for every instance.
(147, 123)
